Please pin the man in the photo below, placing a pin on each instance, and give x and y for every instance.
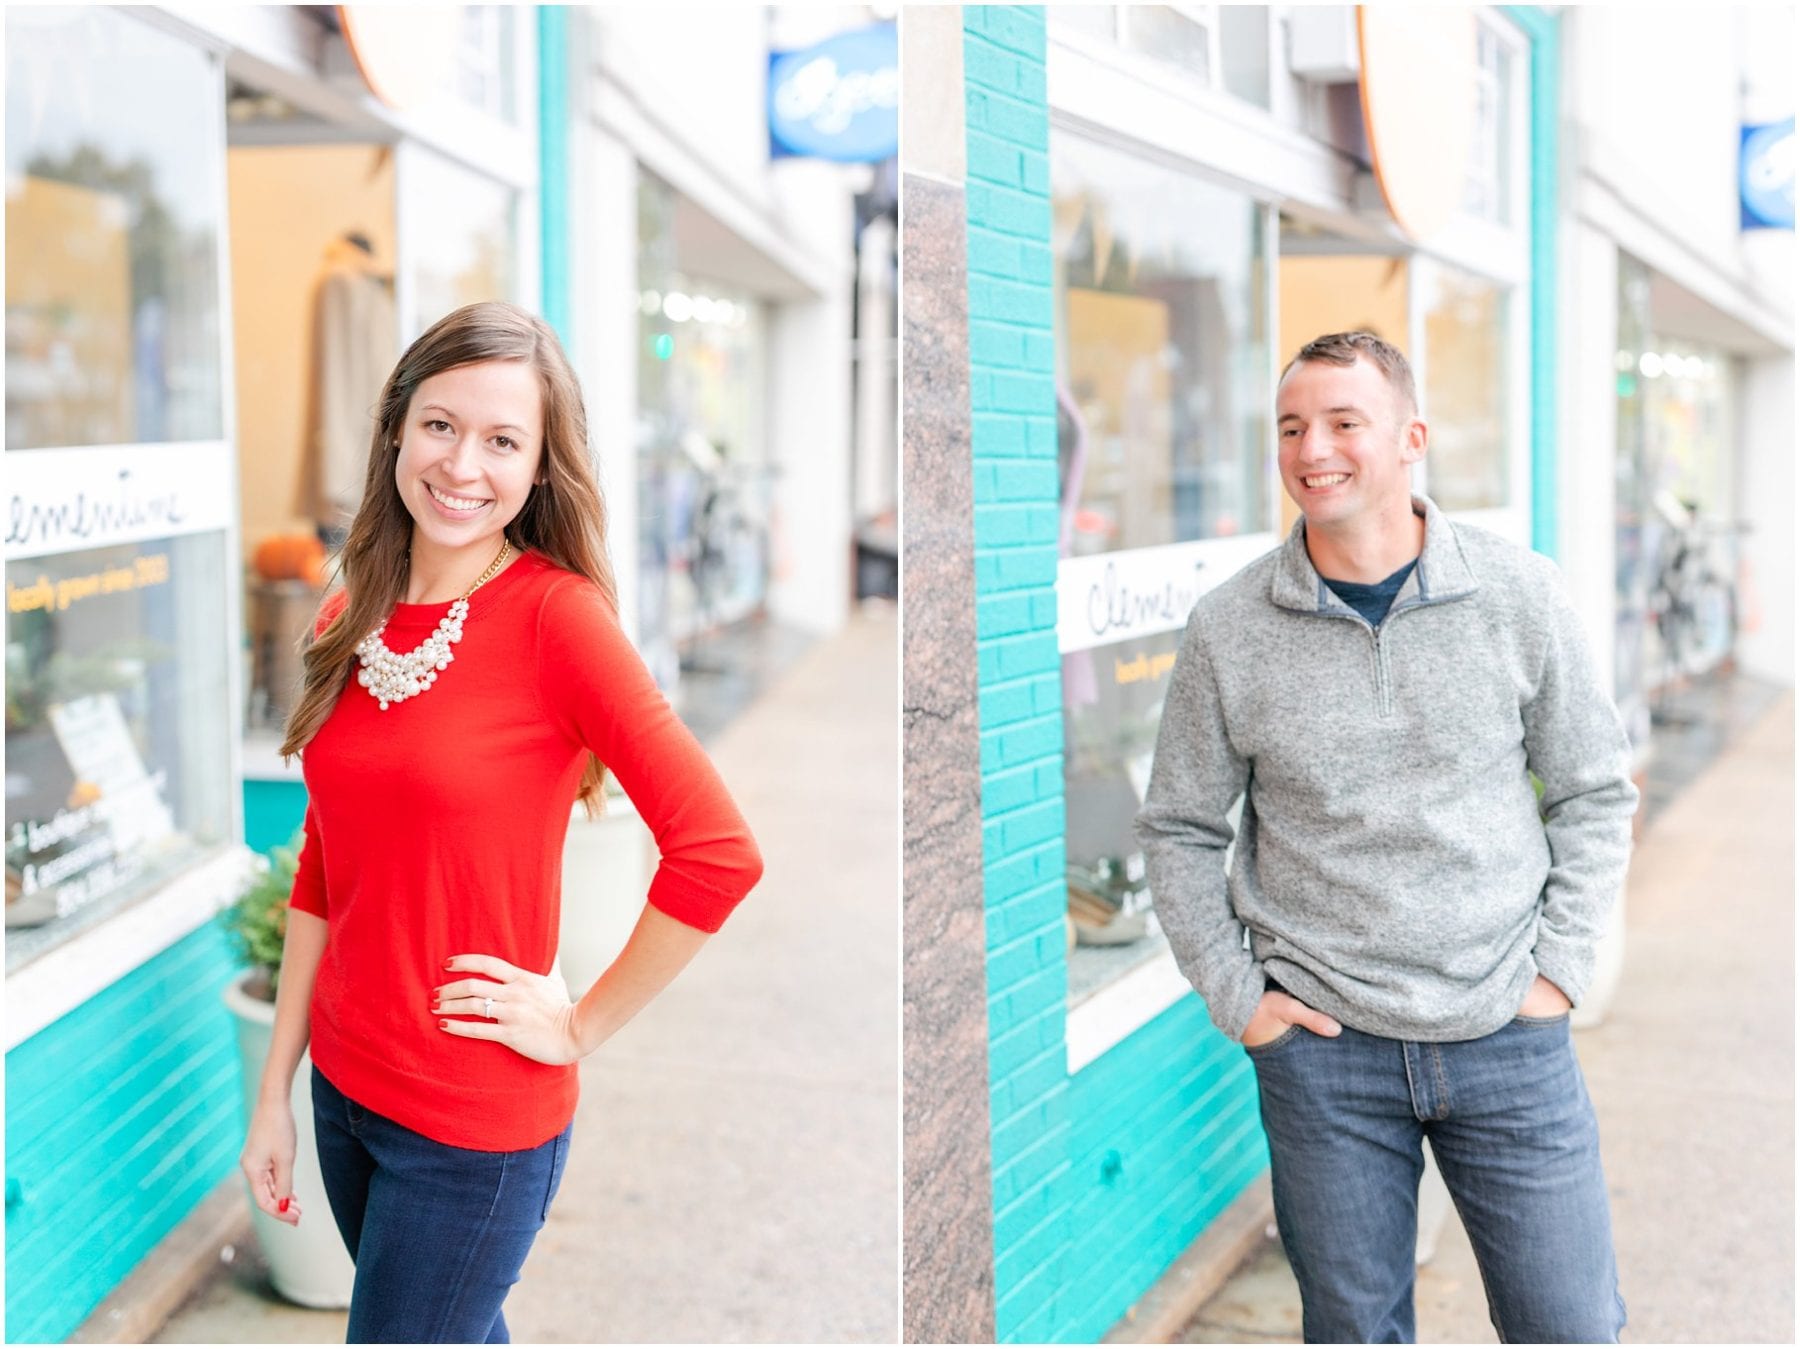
(1402, 934)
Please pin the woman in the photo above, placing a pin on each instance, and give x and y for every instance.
(465, 687)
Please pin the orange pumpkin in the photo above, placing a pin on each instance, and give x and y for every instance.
(288, 557)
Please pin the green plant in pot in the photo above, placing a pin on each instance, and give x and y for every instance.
(257, 923)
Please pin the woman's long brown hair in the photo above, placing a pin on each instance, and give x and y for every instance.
(563, 518)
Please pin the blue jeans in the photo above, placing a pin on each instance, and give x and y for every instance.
(438, 1233)
(1512, 1127)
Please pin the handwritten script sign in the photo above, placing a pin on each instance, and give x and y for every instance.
(1111, 597)
(59, 501)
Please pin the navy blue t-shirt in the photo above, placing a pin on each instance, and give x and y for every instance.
(1372, 601)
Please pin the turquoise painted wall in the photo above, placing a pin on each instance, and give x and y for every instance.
(557, 305)
(1101, 1179)
(1013, 440)
(1545, 31)
(120, 1118)
(272, 812)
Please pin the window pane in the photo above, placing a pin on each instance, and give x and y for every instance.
(1244, 52)
(1162, 351)
(1096, 20)
(117, 759)
(461, 240)
(1465, 390)
(112, 227)
(1168, 35)
(484, 74)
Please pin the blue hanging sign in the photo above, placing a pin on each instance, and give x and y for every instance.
(838, 99)
(1766, 175)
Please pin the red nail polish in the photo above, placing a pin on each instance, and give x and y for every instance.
(443, 1025)
(284, 1204)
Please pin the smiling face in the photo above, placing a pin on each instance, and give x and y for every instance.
(470, 449)
(1347, 441)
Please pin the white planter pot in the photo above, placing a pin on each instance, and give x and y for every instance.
(606, 874)
(308, 1263)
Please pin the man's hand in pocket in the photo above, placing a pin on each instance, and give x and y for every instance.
(1543, 998)
(1277, 1011)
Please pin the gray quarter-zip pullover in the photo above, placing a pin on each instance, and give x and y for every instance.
(1391, 866)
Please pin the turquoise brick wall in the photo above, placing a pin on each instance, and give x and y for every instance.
(120, 1118)
(1166, 1134)
(1013, 433)
(1101, 1179)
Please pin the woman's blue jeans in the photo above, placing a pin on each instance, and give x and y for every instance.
(1512, 1127)
(438, 1233)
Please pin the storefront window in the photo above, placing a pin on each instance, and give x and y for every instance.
(1163, 447)
(704, 490)
(1674, 491)
(116, 749)
(1636, 535)
(1162, 349)
(112, 226)
(462, 238)
(1466, 388)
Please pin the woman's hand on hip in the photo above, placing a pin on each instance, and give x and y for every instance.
(531, 1013)
(267, 1161)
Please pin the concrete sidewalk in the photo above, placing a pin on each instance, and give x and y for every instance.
(1692, 1078)
(734, 1169)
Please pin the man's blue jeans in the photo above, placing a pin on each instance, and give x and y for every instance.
(438, 1233)
(1512, 1127)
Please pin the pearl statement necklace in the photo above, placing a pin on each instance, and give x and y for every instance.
(393, 678)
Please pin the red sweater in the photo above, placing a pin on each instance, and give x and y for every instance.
(436, 829)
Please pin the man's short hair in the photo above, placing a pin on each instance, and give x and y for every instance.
(1344, 348)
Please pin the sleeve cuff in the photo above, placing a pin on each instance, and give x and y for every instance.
(1232, 1011)
(1568, 966)
(687, 903)
(307, 904)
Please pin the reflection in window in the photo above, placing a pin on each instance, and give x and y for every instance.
(1162, 351)
(112, 222)
(117, 757)
(1465, 390)
(464, 250)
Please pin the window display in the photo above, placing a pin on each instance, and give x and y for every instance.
(1466, 389)
(1164, 448)
(112, 226)
(704, 495)
(117, 759)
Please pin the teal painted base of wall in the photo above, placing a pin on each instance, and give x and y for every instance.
(120, 1118)
(1167, 1132)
